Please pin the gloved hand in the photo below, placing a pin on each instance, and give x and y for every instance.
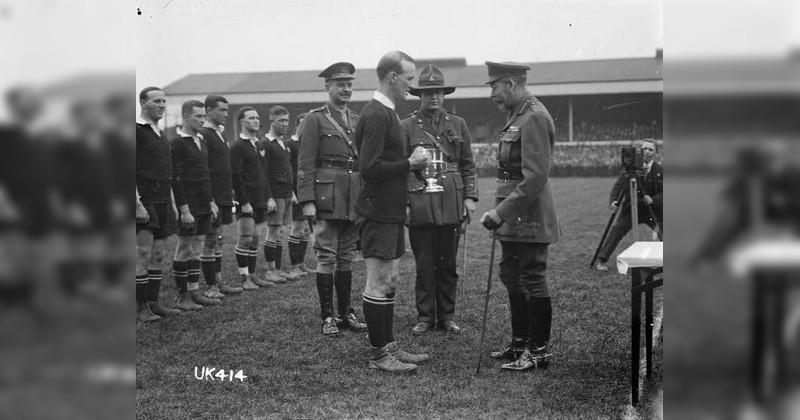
(491, 220)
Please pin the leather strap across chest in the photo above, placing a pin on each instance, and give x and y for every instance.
(341, 131)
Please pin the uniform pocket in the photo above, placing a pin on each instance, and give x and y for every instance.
(324, 187)
(507, 141)
(324, 195)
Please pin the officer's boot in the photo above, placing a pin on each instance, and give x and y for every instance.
(541, 312)
(347, 316)
(325, 292)
(518, 304)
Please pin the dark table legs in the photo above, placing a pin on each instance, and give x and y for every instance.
(642, 281)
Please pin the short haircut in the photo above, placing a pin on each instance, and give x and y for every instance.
(392, 62)
(213, 100)
(143, 94)
(519, 80)
(244, 110)
(648, 140)
(277, 111)
(189, 105)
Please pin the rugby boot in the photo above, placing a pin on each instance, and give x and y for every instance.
(247, 283)
(329, 326)
(261, 282)
(350, 322)
(383, 360)
(186, 303)
(144, 314)
(512, 351)
(394, 349)
(297, 272)
(161, 310)
(273, 277)
(229, 290)
(287, 275)
(197, 297)
(213, 292)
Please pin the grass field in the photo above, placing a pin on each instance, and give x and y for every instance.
(294, 372)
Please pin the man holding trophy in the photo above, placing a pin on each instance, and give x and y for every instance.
(440, 198)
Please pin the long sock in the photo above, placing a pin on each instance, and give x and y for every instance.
(294, 248)
(269, 251)
(388, 321)
(278, 256)
(242, 258)
(154, 284)
(251, 260)
(325, 292)
(142, 288)
(375, 310)
(301, 250)
(193, 277)
(180, 272)
(218, 262)
(344, 282)
(209, 270)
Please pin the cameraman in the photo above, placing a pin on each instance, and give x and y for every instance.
(651, 186)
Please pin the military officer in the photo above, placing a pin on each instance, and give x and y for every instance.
(524, 218)
(328, 183)
(434, 218)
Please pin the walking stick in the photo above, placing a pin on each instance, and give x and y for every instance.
(466, 229)
(486, 303)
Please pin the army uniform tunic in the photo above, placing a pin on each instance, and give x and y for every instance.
(434, 218)
(525, 203)
(327, 175)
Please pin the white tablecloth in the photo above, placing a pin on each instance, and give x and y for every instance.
(781, 252)
(641, 254)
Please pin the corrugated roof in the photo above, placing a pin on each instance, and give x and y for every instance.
(611, 70)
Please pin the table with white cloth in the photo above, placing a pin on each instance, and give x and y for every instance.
(771, 266)
(645, 261)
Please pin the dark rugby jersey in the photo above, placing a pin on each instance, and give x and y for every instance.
(219, 166)
(153, 164)
(278, 168)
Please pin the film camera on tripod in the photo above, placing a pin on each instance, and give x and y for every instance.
(637, 189)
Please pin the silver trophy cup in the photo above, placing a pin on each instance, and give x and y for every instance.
(434, 171)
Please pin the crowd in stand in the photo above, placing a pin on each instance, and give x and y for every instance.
(612, 130)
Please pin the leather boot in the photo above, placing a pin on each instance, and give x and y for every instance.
(541, 314)
(325, 292)
(144, 314)
(197, 297)
(383, 360)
